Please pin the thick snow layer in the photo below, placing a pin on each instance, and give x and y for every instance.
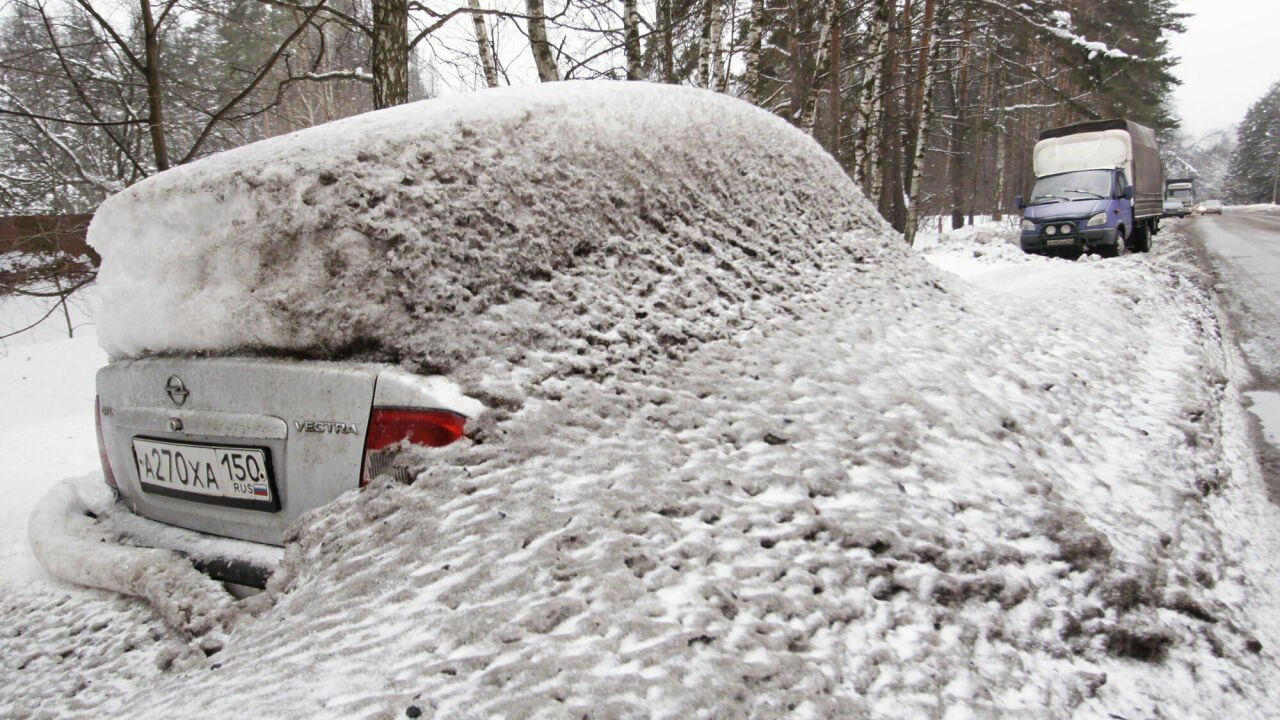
(909, 496)
(512, 234)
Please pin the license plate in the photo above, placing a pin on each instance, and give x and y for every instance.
(1060, 241)
(219, 474)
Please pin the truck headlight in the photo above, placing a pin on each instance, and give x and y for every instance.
(1028, 226)
(1099, 219)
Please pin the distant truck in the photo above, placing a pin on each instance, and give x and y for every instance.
(1099, 188)
(1179, 197)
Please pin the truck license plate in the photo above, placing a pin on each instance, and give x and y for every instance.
(223, 475)
(1060, 241)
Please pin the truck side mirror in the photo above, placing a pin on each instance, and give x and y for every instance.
(1128, 192)
(1018, 201)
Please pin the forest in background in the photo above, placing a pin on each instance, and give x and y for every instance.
(932, 106)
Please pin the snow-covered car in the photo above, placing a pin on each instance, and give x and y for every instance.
(296, 318)
(1209, 207)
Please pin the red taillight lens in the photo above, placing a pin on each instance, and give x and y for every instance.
(388, 426)
(107, 475)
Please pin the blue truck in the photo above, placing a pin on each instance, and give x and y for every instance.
(1099, 188)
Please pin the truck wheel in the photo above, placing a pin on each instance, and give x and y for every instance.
(1119, 248)
(1141, 240)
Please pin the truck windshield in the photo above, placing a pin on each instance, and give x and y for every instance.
(1078, 185)
(1179, 193)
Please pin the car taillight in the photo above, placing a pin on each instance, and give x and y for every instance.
(107, 475)
(388, 426)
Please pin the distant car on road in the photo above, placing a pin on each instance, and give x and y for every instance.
(1174, 208)
(1209, 207)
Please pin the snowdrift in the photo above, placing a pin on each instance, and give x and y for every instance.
(620, 221)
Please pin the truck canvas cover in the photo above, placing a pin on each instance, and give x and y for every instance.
(1106, 145)
(1105, 150)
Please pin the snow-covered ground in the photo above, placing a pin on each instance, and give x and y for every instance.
(1032, 500)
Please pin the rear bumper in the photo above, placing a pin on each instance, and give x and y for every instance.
(81, 532)
(224, 559)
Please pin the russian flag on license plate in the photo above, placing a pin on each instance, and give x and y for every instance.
(261, 491)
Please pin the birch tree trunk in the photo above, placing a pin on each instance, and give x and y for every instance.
(704, 43)
(631, 34)
(482, 42)
(717, 49)
(870, 106)
(820, 64)
(542, 57)
(666, 47)
(930, 55)
(998, 214)
(883, 59)
(390, 53)
(755, 41)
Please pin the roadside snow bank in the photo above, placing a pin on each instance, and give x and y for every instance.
(608, 223)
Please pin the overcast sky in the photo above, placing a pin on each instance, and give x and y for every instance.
(1229, 59)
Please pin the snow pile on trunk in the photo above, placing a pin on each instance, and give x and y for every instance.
(607, 223)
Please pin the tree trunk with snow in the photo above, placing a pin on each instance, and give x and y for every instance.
(538, 43)
(930, 55)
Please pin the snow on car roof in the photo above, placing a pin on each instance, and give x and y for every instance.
(605, 223)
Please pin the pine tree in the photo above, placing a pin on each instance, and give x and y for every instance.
(1254, 173)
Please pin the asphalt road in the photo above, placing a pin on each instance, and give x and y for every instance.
(1243, 250)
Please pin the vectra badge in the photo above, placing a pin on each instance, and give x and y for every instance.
(325, 426)
(176, 390)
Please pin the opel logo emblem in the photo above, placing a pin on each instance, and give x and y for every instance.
(177, 390)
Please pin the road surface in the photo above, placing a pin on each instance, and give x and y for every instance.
(1243, 250)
